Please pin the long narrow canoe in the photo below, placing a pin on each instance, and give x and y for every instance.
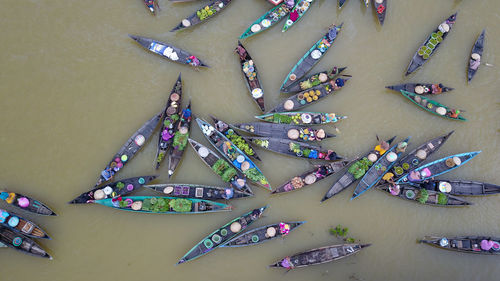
(234, 137)
(302, 118)
(233, 154)
(222, 168)
(414, 159)
(164, 205)
(202, 14)
(169, 51)
(296, 149)
(310, 96)
(429, 47)
(423, 196)
(222, 235)
(180, 140)
(21, 243)
(263, 234)
(461, 187)
(314, 80)
(284, 131)
(251, 76)
(436, 168)
(169, 125)
(378, 169)
(152, 5)
(311, 57)
(421, 88)
(341, 3)
(129, 150)
(25, 203)
(269, 19)
(355, 171)
(466, 244)
(118, 188)
(198, 191)
(300, 9)
(319, 255)
(319, 173)
(380, 9)
(434, 107)
(475, 56)
(21, 225)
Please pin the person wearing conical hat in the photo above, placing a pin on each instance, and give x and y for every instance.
(382, 147)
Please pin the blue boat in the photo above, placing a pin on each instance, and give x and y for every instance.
(436, 168)
(380, 167)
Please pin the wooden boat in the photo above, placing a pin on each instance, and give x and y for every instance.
(415, 158)
(25, 203)
(429, 47)
(475, 56)
(251, 75)
(202, 14)
(303, 118)
(21, 225)
(222, 235)
(21, 243)
(310, 96)
(341, 3)
(380, 9)
(296, 149)
(434, 107)
(354, 172)
(164, 205)
(198, 191)
(169, 51)
(114, 189)
(466, 244)
(421, 88)
(314, 80)
(234, 137)
(437, 168)
(233, 154)
(221, 167)
(180, 140)
(269, 19)
(284, 131)
(312, 56)
(299, 10)
(169, 122)
(152, 5)
(263, 234)
(129, 150)
(319, 255)
(461, 187)
(378, 169)
(319, 173)
(423, 196)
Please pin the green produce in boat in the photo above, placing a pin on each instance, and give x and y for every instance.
(269, 19)
(180, 140)
(163, 205)
(301, 118)
(297, 13)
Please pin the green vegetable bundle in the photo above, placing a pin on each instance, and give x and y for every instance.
(423, 195)
(359, 168)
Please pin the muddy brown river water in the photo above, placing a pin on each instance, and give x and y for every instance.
(74, 87)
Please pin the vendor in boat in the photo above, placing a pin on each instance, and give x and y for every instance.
(382, 147)
(453, 113)
(241, 52)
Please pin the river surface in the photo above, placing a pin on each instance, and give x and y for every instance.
(74, 87)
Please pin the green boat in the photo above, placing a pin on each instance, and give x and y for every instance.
(433, 106)
(163, 205)
(297, 13)
(301, 118)
(222, 235)
(269, 19)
